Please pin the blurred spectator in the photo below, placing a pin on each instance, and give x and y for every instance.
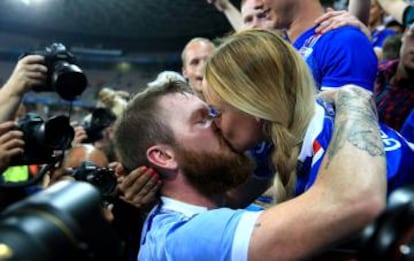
(394, 88)
(28, 73)
(125, 218)
(115, 101)
(194, 57)
(393, 24)
(338, 57)
(378, 30)
(391, 47)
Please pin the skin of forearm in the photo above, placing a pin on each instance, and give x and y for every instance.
(356, 140)
(233, 16)
(9, 103)
(395, 8)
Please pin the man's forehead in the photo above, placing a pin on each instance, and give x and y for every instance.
(199, 47)
(178, 101)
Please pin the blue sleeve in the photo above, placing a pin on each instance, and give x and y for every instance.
(400, 159)
(407, 130)
(346, 56)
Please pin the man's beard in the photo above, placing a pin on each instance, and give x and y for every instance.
(211, 173)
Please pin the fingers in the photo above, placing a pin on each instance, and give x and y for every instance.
(140, 186)
(7, 126)
(80, 136)
(150, 196)
(328, 15)
(11, 144)
(134, 182)
(328, 96)
(32, 59)
(9, 136)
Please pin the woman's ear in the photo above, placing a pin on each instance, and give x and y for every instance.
(162, 156)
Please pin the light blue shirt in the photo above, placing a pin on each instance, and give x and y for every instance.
(175, 231)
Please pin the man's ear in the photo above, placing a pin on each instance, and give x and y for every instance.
(162, 156)
(184, 72)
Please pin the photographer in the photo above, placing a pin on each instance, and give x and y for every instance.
(126, 219)
(28, 73)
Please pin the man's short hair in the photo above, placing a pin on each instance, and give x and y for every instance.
(197, 39)
(142, 124)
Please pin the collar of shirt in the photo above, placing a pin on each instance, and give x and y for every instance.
(188, 210)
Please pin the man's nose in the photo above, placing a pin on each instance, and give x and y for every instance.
(200, 68)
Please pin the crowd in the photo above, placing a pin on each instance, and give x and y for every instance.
(277, 142)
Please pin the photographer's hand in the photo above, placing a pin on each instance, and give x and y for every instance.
(80, 135)
(11, 143)
(139, 187)
(29, 72)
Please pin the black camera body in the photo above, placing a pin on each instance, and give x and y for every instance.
(103, 179)
(43, 138)
(64, 76)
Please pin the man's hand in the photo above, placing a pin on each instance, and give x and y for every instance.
(334, 19)
(11, 143)
(138, 187)
(29, 72)
(80, 134)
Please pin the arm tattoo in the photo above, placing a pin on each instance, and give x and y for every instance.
(356, 123)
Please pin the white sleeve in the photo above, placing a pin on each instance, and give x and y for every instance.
(241, 240)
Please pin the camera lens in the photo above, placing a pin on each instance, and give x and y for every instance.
(68, 80)
(58, 134)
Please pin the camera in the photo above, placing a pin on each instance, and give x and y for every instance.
(100, 119)
(63, 76)
(43, 138)
(62, 222)
(103, 179)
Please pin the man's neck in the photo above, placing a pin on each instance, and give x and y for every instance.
(307, 13)
(179, 189)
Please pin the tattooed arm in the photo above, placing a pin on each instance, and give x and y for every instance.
(348, 193)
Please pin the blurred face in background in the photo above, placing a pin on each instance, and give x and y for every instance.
(194, 57)
(407, 50)
(375, 14)
(256, 15)
(283, 12)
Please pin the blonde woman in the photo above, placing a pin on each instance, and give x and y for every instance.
(262, 90)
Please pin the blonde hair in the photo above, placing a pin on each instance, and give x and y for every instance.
(113, 100)
(259, 73)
